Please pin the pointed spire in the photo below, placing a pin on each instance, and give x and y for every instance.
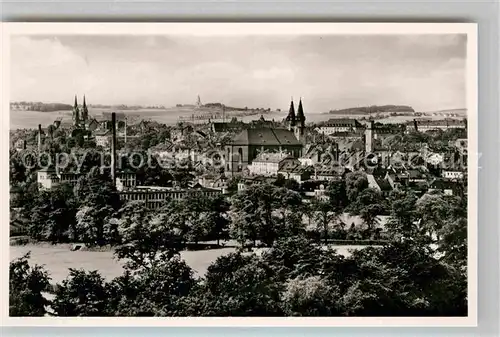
(85, 111)
(300, 113)
(76, 113)
(291, 114)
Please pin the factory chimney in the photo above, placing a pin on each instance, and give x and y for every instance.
(113, 148)
(39, 139)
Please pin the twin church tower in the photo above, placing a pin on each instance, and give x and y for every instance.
(80, 116)
(296, 122)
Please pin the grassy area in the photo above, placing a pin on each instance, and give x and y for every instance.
(58, 259)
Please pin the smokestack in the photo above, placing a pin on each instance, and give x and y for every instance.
(113, 148)
(39, 138)
(125, 130)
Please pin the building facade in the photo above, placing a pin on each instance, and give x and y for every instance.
(247, 145)
(155, 197)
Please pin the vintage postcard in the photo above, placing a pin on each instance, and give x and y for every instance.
(240, 174)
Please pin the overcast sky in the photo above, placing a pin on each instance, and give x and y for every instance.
(329, 72)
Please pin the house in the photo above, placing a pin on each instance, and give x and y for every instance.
(20, 145)
(325, 172)
(248, 181)
(315, 154)
(293, 169)
(424, 125)
(380, 184)
(47, 178)
(446, 186)
(223, 127)
(103, 138)
(336, 125)
(92, 124)
(453, 174)
(268, 163)
(215, 181)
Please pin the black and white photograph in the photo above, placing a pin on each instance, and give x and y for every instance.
(233, 170)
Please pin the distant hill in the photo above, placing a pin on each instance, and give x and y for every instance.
(39, 106)
(373, 109)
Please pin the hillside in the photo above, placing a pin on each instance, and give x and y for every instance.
(373, 109)
(39, 106)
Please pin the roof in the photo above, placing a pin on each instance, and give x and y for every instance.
(442, 184)
(271, 157)
(342, 122)
(291, 166)
(441, 122)
(102, 132)
(265, 136)
(415, 174)
(383, 184)
(222, 127)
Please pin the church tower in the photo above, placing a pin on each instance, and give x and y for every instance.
(300, 122)
(290, 119)
(85, 111)
(76, 113)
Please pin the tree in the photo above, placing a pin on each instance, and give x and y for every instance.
(156, 291)
(403, 214)
(433, 211)
(238, 285)
(82, 293)
(90, 225)
(218, 217)
(323, 215)
(356, 182)
(17, 172)
(96, 189)
(265, 212)
(310, 296)
(26, 287)
(294, 256)
(146, 236)
(337, 194)
(52, 214)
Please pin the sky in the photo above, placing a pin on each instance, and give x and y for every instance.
(426, 72)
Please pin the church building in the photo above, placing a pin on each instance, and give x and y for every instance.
(247, 145)
(80, 116)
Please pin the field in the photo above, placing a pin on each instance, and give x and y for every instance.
(58, 260)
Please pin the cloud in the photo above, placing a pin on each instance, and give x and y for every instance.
(427, 72)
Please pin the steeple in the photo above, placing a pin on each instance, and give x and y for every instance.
(85, 111)
(76, 114)
(301, 119)
(301, 122)
(291, 115)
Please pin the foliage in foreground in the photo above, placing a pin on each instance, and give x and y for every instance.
(293, 278)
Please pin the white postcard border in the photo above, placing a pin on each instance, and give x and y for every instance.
(235, 29)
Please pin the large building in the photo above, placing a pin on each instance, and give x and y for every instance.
(247, 145)
(337, 125)
(156, 197)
